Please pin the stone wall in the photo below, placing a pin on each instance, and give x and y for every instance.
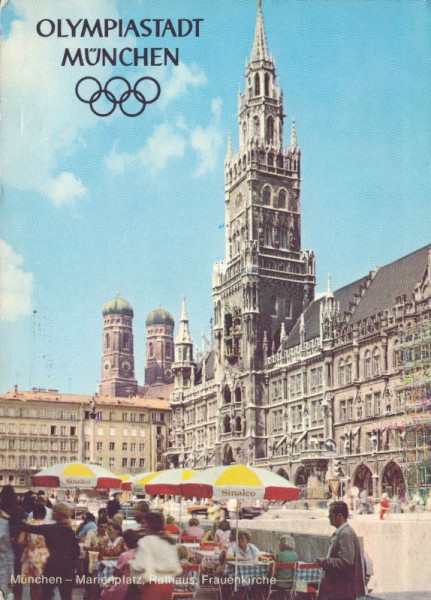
(399, 547)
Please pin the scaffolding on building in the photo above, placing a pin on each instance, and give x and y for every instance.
(415, 425)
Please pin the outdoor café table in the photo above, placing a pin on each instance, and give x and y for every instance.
(247, 572)
(207, 558)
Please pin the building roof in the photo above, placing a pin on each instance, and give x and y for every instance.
(399, 278)
(376, 293)
(209, 360)
(311, 323)
(55, 397)
(159, 316)
(117, 306)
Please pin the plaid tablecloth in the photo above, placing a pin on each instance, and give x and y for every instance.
(207, 558)
(248, 572)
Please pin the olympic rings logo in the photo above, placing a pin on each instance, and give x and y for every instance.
(104, 100)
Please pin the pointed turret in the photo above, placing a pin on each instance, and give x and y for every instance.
(294, 137)
(329, 293)
(229, 147)
(183, 336)
(260, 50)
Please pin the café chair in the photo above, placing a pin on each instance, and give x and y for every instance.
(209, 545)
(279, 591)
(186, 589)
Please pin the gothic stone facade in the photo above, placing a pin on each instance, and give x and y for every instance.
(288, 376)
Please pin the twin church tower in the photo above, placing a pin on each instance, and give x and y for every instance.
(118, 363)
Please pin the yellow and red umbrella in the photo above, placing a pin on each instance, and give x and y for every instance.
(126, 482)
(76, 475)
(169, 481)
(241, 482)
(139, 481)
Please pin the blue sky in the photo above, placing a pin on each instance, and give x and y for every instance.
(92, 206)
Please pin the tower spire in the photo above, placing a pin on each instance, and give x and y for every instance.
(183, 329)
(329, 293)
(260, 50)
(293, 138)
(229, 147)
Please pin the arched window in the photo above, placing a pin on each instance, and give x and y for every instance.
(12, 461)
(22, 462)
(43, 461)
(150, 350)
(341, 372)
(267, 238)
(273, 306)
(376, 362)
(238, 394)
(283, 237)
(281, 199)
(266, 196)
(52, 460)
(185, 354)
(238, 424)
(227, 395)
(270, 159)
(256, 126)
(266, 84)
(257, 85)
(367, 365)
(226, 424)
(125, 341)
(269, 136)
(107, 341)
(168, 350)
(349, 369)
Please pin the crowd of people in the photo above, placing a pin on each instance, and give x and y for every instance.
(38, 538)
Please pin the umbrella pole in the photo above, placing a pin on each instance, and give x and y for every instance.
(181, 501)
(236, 552)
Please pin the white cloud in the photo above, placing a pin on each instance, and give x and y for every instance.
(16, 286)
(170, 141)
(206, 142)
(41, 118)
(65, 189)
(163, 145)
(117, 162)
(179, 80)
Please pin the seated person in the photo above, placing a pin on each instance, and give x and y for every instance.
(286, 554)
(113, 545)
(87, 525)
(244, 551)
(222, 535)
(210, 535)
(170, 526)
(119, 589)
(193, 530)
(183, 555)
